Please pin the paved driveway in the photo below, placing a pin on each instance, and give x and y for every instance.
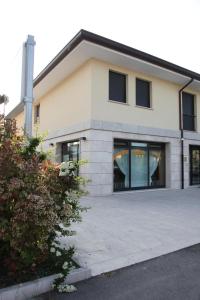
(127, 228)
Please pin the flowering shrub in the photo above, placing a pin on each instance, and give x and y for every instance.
(38, 202)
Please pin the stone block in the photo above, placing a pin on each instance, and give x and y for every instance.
(96, 168)
(96, 146)
(99, 190)
(97, 157)
(99, 179)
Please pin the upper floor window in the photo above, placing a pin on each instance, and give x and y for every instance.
(117, 87)
(37, 114)
(188, 111)
(143, 93)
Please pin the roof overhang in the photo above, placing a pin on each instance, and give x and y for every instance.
(87, 50)
(86, 45)
(16, 111)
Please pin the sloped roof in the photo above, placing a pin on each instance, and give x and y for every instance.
(90, 45)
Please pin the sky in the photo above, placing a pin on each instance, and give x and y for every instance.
(168, 29)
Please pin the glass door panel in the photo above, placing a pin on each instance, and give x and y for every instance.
(139, 166)
(156, 166)
(121, 167)
(195, 166)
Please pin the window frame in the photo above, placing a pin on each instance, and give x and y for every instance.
(126, 87)
(150, 93)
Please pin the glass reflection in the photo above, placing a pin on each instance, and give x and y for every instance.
(156, 167)
(121, 168)
(139, 167)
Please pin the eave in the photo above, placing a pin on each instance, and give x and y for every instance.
(86, 45)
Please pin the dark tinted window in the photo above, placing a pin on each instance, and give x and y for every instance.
(37, 113)
(188, 112)
(117, 87)
(70, 151)
(142, 93)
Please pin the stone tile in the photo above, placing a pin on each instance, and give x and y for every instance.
(96, 146)
(99, 179)
(99, 190)
(98, 135)
(127, 228)
(97, 157)
(97, 168)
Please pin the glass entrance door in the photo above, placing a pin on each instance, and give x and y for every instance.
(138, 165)
(194, 165)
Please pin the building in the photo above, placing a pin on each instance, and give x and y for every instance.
(133, 116)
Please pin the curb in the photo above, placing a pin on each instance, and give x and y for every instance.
(37, 287)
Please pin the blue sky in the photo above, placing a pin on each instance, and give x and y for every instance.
(168, 29)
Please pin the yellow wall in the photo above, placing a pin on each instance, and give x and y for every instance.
(68, 103)
(20, 122)
(165, 108)
(84, 95)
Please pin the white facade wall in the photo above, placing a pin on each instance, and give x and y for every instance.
(98, 151)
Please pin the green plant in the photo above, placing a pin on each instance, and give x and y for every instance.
(38, 202)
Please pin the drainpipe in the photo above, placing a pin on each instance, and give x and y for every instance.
(182, 130)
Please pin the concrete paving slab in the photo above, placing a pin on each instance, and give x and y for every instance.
(127, 228)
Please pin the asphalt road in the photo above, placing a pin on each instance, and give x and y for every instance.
(175, 276)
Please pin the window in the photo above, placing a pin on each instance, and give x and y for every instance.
(138, 165)
(70, 151)
(37, 114)
(188, 112)
(194, 165)
(121, 165)
(117, 87)
(142, 93)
